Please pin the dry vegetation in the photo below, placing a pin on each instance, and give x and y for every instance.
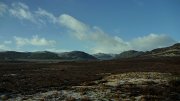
(82, 79)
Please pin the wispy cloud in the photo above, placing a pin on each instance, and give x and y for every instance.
(21, 11)
(7, 42)
(85, 32)
(3, 8)
(77, 28)
(151, 41)
(102, 41)
(3, 47)
(49, 16)
(108, 44)
(57, 50)
(35, 41)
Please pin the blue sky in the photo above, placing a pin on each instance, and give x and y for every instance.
(93, 26)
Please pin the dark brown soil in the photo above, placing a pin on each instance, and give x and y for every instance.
(31, 77)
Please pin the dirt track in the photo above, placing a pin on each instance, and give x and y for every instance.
(31, 77)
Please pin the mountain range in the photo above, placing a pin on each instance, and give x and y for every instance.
(129, 54)
(171, 51)
(76, 55)
(103, 56)
(45, 55)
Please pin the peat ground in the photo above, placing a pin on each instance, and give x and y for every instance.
(31, 77)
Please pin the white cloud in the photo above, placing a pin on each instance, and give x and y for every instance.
(3, 8)
(79, 29)
(7, 42)
(43, 13)
(108, 44)
(151, 41)
(35, 41)
(21, 11)
(103, 42)
(57, 50)
(4, 47)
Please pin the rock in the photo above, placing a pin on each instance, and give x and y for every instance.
(25, 98)
(70, 99)
(85, 98)
(4, 97)
(175, 96)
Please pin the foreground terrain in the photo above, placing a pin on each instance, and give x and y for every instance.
(125, 79)
(133, 86)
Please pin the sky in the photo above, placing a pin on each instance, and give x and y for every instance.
(92, 26)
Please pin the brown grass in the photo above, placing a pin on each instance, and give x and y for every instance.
(31, 77)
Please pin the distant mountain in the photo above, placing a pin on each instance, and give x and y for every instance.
(170, 51)
(76, 55)
(12, 55)
(103, 56)
(45, 55)
(129, 54)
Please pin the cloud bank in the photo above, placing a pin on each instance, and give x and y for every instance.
(3, 47)
(103, 42)
(151, 41)
(108, 44)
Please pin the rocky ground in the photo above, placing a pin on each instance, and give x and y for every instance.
(135, 79)
(132, 86)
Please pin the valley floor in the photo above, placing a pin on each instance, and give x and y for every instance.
(133, 86)
(138, 79)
